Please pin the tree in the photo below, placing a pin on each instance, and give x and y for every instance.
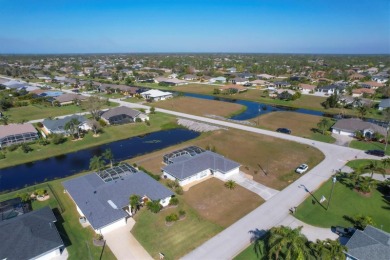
(108, 156)
(96, 163)
(230, 184)
(374, 167)
(73, 127)
(361, 221)
(327, 249)
(4, 119)
(134, 203)
(287, 243)
(362, 110)
(95, 126)
(152, 110)
(94, 104)
(324, 125)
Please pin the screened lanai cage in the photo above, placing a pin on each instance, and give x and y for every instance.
(187, 152)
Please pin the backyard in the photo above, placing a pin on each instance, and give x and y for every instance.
(77, 240)
(200, 107)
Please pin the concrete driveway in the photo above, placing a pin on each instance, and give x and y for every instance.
(123, 244)
(263, 191)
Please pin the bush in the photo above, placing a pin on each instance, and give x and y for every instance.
(154, 206)
(147, 122)
(182, 213)
(2, 156)
(171, 217)
(13, 147)
(40, 192)
(174, 201)
(58, 139)
(102, 123)
(24, 196)
(44, 142)
(179, 190)
(138, 120)
(156, 177)
(39, 124)
(26, 148)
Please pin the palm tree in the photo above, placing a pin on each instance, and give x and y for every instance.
(327, 249)
(230, 184)
(4, 119)
(96, 163)
(287, 243)
(108, 156)
(362, 111)
(134, 202)
(386, 162)
(374, 167)
(73, 127)
(323, 125)
(258, 240)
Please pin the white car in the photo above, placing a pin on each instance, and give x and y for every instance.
(302, 168)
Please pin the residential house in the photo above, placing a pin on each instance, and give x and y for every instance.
(233, 88)
(68, 99)
(188, 168)
(306, 88)
(284, 94)
(17, 134)
(171, 82)
(57, 126)
(358, 92)
(354, 101)
(31, 235)
(371, 84)
(122, 115)
(103, 198)
(218, 80)
(371, 243)
(231, 70)
(385, 103)
(331, 89)
(245, 75)
(372, 70)
(259, 82)
(173, 76)
(265, 76)
(351, 125)
(282, 84)
(156, 95)
(125, 90)
(379, 79)
(190, 77)
(239, 81)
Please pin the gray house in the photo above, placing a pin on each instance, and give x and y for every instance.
(371, 243)
(350, 126)
(122, 115)
(103, 198)
(188, 168)
(385, 103)
(57, 126)
(30, 236)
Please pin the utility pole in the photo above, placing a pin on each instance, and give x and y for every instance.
(330, 197)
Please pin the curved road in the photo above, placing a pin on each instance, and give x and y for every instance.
(275, 211)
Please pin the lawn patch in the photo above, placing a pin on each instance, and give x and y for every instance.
(216, 203)
(363, 145)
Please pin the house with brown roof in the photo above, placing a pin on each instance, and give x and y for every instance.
(232, 88)
(358, 92)
(371, 84)
(17, 134)
(357, 76)
(68, 99)
(306, 88)
(122, 115)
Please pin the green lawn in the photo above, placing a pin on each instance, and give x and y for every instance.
(158, 122)
(134, 100)
(78, 240)
(345, 202)
(176, 240)
(247, 254)
(362, 145)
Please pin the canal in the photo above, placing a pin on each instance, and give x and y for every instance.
(19, 176)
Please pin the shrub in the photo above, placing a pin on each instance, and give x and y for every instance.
(39, 124)
(44, 142)
(26, 148)
(152, 110)
(171, 217)
(142, 110)
(147, 122)
(138, 120)
(156, 177)
(24, 196)
(174, 201)
(182, 213)
(102, 123)
(58, 138)
(154, 206)
(2, 156)
(179, 190)
(13, 147)
(40, 192)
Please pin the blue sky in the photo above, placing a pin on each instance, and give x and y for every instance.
(265, 26)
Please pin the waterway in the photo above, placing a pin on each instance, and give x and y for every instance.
(19, 176)
(254, 109)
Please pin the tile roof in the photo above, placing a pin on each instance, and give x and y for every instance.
(91, 194)
(372, 243)
(13, 129)
(29, 235)
(120, 111)
(182, 169)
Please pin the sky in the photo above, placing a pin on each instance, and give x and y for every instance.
(239, 26)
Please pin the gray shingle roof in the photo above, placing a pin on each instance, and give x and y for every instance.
(29, 235)
(58, 125)
(91, 194)
(183, 169)
(120, 111)
(372, 243)
(354, 124)
(385, 103)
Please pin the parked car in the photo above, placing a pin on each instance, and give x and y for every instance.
(344, 232)
(302, 168)
(283, 130)
(379, 153)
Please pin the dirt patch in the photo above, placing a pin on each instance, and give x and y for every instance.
(197, 106)
(214, 202)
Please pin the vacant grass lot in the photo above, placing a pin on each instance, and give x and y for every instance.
(300, 124)
(176, 240)
(78, 240)
(256, 153)
(363, 145)
(345, 202)
(200, 107)
(216, 203)
(158, 122)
